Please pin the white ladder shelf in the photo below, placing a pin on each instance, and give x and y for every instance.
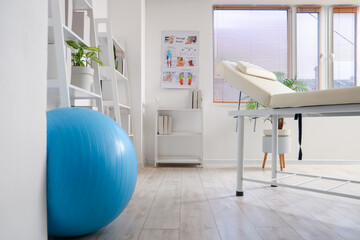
(61, 93)
(115, 83)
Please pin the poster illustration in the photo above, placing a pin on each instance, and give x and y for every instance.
(180, 59)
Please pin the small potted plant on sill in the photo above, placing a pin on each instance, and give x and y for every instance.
(82, 75)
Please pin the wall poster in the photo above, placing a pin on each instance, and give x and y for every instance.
(180, 59)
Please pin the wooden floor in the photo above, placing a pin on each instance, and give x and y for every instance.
(199, 203)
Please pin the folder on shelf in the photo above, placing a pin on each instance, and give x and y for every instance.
(166, 121)
(161, 125)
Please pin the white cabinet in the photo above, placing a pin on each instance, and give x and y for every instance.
(185, 144)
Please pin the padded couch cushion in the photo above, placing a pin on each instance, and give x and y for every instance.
(317, 98)
(258, 88)
(274, 94)
(255, 70)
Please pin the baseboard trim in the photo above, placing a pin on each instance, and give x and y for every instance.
(268, 162)
(288, 161)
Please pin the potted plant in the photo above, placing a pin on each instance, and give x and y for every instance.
(82, 75)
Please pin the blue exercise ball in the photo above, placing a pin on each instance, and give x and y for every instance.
(91, 171)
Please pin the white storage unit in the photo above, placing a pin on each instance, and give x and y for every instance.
(61, 92)
(115, 83)
(185, 144)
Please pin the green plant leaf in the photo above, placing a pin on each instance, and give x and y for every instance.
(97, 60)
(82, 45)
(81, 53)
(82, 64)
(90, 54)
(94, 49)
(73, 44)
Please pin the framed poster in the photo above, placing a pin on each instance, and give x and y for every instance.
(180, 59)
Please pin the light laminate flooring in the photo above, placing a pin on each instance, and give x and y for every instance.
(199, 203)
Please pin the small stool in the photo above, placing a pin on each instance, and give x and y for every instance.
(284, 145)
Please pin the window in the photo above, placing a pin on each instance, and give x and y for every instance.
(307, 48)
(259, 36)
(344, 46)
(317, 43)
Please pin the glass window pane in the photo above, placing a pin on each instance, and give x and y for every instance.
(308, 49)
(344, 49)
(256, 36)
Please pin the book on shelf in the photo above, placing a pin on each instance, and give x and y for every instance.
(161, 125)
(199, 99)
(170, 123)
(129, 124)
(196, 99)
(166, 123)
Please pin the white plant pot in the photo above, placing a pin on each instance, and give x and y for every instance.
(284, 144)
(82, 77)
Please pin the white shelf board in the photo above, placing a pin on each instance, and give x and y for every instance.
(111, 104)
(74, 92)
(70, 35)
(81, 5)
(107, 74)
(118, 46)
(131, 135)
(120, 76)
(101, 38)
(180, 109)
(79, 93)
(179, 159)
(181, 134)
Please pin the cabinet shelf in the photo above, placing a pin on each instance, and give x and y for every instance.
(185, 144)
(181, 134)
(180, 159)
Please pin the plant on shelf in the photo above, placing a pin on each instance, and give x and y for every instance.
(82, 75)
(295, 84)
(115, 58)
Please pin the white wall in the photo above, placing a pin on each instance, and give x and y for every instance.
(23, 45)
(126, 21)
(322, 138)
(100, 8)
